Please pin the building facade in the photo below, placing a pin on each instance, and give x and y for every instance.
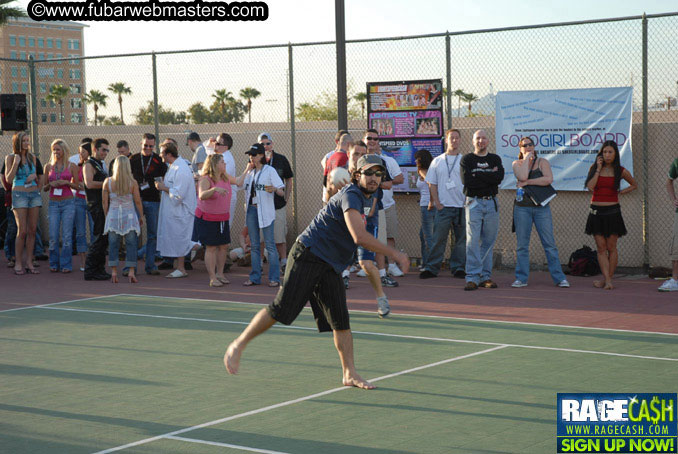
(53, 45)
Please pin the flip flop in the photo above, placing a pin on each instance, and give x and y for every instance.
(223, 280)
(216, 283)
(274, 284)
(32, 271)
(249, 283)
(176, 274)
(19, 272)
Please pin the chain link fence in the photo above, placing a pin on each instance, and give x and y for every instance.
(290, 91)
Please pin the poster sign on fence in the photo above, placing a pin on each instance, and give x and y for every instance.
(568, 128)
(408, 117)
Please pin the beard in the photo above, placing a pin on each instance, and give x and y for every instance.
(367, 191)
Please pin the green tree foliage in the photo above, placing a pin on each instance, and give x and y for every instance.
(324, 107)
(165, 116)
(248, 94)
(56, 94)
(8, 12)
(119, 88)
(96, 98)
(199, 114)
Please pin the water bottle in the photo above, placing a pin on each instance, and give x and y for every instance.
(519, 194)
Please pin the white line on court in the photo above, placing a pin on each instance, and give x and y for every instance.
(290, 402)
(61, 302)
(444, 317)
(225, 445)
(370, 333)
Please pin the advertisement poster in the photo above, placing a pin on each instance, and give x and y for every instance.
(408, 117)
(568, 128)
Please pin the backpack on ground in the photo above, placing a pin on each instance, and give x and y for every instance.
(584, 262)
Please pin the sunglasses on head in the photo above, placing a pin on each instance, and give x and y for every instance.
(376, 173)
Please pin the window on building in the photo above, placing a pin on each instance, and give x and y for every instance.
(76, 117)
(52, 118)
(24, 72)
(50, 55)
(22, 55)
(43, 87)
(31, 41)
(73, 61)
(52, 104)
(41, 42)
(76, 103)
(12, 40)
(24, 87)
(43, 118)
(15, 87)
(50, 43)
(12, 54)
(22, 41)
(75, 89)
(15, 71)
(32, 54)
(58, 43)
(43, 103)
(60, 73)
(59, 55)
(41, 56)
(75, 73)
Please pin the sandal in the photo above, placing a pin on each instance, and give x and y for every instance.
(133, 280)
(19, 272)
(32, 271)
(249, 283)
(216, 283)
(65, 270)
(11, 263)
(53, 270)
(223, 280)
(274, 284)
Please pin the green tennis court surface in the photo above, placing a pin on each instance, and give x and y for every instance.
(139, 374)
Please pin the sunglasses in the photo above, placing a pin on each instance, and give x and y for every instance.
(219, 144)
(146, 147)
(375, 173)
(372, 138)
(266, 143)
(529, 144)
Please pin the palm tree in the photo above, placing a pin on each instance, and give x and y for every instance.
(248, 94)
(96, 98)
(459, 94)
(56, 94)
(469, 98)
(361, 98)
(119, 88)
(8, 12)
(222, 97)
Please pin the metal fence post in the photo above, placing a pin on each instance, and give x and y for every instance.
(33, 105)
(293, 138)
(155, 103)
(646, 191)
(448, 71)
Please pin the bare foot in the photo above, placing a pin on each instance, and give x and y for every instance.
(114, 278)
(608, 286)
(133, 279)
(232, 358)
(357, 381)
(598, 284)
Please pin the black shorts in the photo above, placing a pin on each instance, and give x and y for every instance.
(310, 279)
(212, 233)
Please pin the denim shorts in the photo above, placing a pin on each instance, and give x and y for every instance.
(21, 199)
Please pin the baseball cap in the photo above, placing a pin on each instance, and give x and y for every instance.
(256, 149)
(369, 160)
(194, 136)
(264, 135)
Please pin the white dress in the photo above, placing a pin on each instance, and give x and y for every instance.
(177, 208)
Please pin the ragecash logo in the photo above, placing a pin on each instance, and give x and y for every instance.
(624, 423)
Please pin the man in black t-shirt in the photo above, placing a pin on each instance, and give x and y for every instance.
(481, 173)
(282, 166)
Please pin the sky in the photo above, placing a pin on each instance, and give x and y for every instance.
(313, 20)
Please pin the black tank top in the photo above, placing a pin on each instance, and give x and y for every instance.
(534, 173)
(95, 195)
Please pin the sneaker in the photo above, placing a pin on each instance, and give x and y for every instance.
(488, 284)
(459, 274)
(470, 285)
(361, 273)
(383, 308)
(353, 269)
(346, 281)
(565, 284)
(426, 274)
(394, 271)
(669, 286)
(518, 284)
(387, 281)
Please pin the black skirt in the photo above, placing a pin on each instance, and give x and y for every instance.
(213, 233)
(605, 221)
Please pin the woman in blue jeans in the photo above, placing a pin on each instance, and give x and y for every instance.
(423, 159)
(534, 171)
(62, 178)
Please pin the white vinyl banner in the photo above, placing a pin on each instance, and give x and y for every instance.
(568, 128)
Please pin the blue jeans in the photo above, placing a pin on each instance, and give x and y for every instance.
(524, 217)
(82, 217)
(426, 232)
(61, 214)
(482, 225)
(151, 210)
(449, 218)
(273, 262)
(131, 240)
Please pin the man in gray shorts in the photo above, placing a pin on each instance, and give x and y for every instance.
(316, 261)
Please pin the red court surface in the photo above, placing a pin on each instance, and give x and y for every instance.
(635, 304)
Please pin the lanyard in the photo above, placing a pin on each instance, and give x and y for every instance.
(449, 172)
(145, 169)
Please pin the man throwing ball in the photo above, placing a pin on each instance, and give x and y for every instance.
(314, 269)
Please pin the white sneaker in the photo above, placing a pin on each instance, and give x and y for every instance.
(564, 284)
(518, 284)
(383, 307)
(361, 273)
(669, 286)
(353, 269)
(394, 271)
